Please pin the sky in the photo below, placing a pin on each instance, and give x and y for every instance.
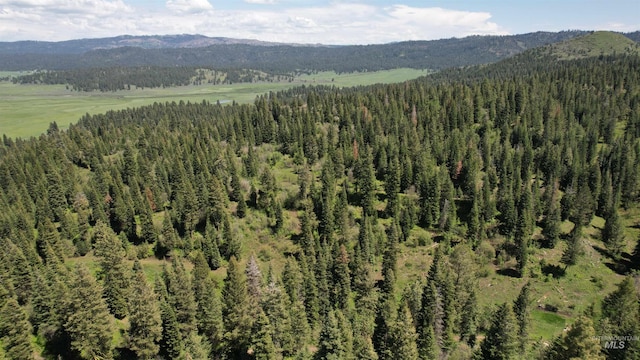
(338, 22)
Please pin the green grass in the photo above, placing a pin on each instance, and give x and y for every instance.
(27, 110)
(595, 44)
(545, 325)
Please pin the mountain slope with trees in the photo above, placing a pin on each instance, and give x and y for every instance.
(321, 223)
(275, 58)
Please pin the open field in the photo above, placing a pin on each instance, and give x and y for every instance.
(27, 110)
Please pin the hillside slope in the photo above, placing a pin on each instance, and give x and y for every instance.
(595, 44)
(437, 54)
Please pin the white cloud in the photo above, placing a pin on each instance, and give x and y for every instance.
(333, 23)
(189, 6)
(95, 7)
(261, 2)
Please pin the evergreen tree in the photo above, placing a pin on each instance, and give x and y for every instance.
(551, 225)
(469, 320)
(579, 342)
(171, 341)
(382, 332)
(341, 278)
(210, 247)
(392, 187)
(15, 331)
(621, 312)
(501, 338)
(114, 272)
(428, 346)
(574, 247)
(209, 315)
(389, 261)
(408, 216)
(403, 336)
(261, 343)
(521, 311)
(613, 235)
(145, 329)
(326, 220)
(522, 235)
(181, 297)
(237, 324)
(89, 324)
(277, 307)
(366, 181)
(148, 231)
(331, 346)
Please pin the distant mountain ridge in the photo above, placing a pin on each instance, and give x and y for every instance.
(225, 53)
(81, 46)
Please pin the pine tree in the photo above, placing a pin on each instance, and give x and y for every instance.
(145, 330)
(209, 315)
(579, 342)
(346, 333)
(389, 260)
(331, 346)
(15, 330)
(235, 302)
(367, 183)
(241, 209)
(522, 235)
(171, 341)
(341, 278)
(392, 187)
(277, 307)
(89, 324)
(613, 235)
(469, 320)
(148, 231)
(403, 336)
(261, 343)
(114, 272)
(326, 220)
(574, 247)
(551, 226)
(620, 308)
(501, 338)
(362, 344)
(521, 311)
(181, 296)
(210, 247)
(382, 331)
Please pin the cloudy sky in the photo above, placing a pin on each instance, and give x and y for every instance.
(309, 21)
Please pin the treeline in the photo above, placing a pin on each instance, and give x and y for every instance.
(479, 166)
(283, 59)
(123, 78)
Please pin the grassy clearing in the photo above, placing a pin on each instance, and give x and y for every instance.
(27, 110)
(545, 325)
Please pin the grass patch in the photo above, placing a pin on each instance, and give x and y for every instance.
(545, 325)
(27, 110)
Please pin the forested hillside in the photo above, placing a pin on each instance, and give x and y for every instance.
(277, 58)
(428, 219)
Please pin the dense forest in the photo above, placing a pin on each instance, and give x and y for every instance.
(124, 78)
(274, 230)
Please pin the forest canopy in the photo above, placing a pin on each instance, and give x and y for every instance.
(309, 200)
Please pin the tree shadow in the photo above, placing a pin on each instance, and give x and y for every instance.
(621, 266)
(556, 271)
(510, 272)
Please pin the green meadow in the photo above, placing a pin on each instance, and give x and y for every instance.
(27, 110)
